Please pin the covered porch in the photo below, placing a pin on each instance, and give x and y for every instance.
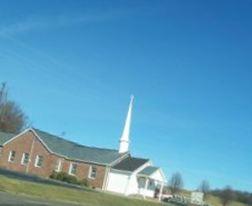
(151, 182)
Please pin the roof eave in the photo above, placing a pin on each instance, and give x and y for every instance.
(66, 157)
(52, 152)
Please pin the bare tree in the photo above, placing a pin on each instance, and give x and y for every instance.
(226, 195)
(176, 183)
(12, 118)
(204, 187)
(3, 94)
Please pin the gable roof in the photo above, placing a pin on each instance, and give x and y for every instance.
(70, 149)
(77, 151)
(4, 137)
(148, 170)
(130, 164)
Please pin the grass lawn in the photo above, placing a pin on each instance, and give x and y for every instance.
(86, 197)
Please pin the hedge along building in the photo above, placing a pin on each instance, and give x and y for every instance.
(37, 152)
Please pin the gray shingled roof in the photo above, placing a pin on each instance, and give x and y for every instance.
(4, 137)
(148, 170)
(130, 164)
(75, 151)
(70, 149)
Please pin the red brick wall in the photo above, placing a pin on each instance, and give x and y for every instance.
(29, 143)
(83, 172)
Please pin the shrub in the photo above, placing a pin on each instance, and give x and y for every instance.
(84, 182)
(53, 175)
(63, 176)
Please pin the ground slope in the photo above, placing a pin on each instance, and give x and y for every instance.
(57, 193)
(215, 201)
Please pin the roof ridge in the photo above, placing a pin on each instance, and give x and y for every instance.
(72, 142)
(138, 158)
(150, 166)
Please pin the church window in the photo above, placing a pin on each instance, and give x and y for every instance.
(39, 161)
(73, 169)
(12, 156)
(25, 158)
(58, 166)
(92, 172)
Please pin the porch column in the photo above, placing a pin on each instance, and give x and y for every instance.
(146, 186)
(161, 191)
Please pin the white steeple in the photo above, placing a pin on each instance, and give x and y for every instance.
(124, 140)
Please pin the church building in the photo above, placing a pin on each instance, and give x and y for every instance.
(40, 153)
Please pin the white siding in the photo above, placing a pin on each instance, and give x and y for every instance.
(147, 193)
(132, 186)
(127, 183)
(117, 182)
(157, 175)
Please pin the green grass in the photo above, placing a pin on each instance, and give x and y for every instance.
(86, 197)
(215, 201)
(58, 193)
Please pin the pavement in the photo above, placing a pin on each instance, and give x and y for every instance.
(34, 178)
(7, 199)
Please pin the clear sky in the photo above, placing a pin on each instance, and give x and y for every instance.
(72, 66)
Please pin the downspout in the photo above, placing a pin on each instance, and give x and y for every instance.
(30, 155)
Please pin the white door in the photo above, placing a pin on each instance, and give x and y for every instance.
(117, 182)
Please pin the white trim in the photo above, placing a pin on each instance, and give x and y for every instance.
(58, 167)
(161, 192)
(119, 159)
(37, 161)
(105, 179)
(23, 158)
(34, 132)
(163, 175)
(146, 186)
(41, 140)
(146, 164)
(71, 167)
(149, 176)
(10, 154)
(60, 155)
(90, 172)
(16, 136)
(121, 171)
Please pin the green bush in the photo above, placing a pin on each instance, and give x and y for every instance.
(84, 182)
(53, 175)
(63, 176)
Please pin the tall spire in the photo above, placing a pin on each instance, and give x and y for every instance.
(124, 140)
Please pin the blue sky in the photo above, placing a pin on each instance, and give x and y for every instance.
(72, 66)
